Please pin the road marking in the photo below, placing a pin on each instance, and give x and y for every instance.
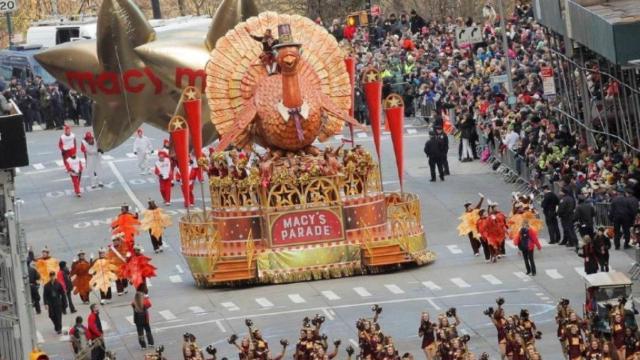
(554, 274)
(130, 319)
(361, 135)
(107, 157)
(196, 309)
(522, 276)
(131, 155)
(175, 278)
(148, 282)
(105, 325)
(492, 279)
(59, 163)
(296, 298)
(328, 314)
(361, 291)
(243, 316)
(179, 268)
(511, 245)
(459, 282)
(38, 166)
(454, 249)
(412, 131)
(431, 285)
(355, 343)
(545, 298)
(39, 337)
(64, 338)
(433, 303)
(264, 302)
(230, 306)
(126, 187)
(540, 294)
(219, 323)
(167, 315)
(330, 295)
(93, 211)
(393, 288)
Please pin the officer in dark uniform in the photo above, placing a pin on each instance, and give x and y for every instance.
(433, 150)
(34, 284)
(53, 296)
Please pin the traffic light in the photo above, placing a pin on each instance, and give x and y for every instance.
(36, 354)
(358, 18)
(352, 20)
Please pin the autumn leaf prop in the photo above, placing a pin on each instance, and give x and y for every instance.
(81, 277)
(137, 269)
(156, 221)
(468, 222)
(515, 223)
(103, 272)
(45, 266)
(126, 224)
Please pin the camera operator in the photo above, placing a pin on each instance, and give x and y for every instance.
(427, 333)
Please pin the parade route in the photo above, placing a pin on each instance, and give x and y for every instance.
(51, 215)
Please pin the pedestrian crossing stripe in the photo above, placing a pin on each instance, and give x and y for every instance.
(175, 278)
(131, 155)
(59, 163)
(296, 299)
(394, 289)
(130, 319)
(230, 306)
(554, 274)
(107, 157)
(522, 276)
(330, 295)
(492, 279)
(431, 285)
(361, 135)
(459, 282)
(167, 315)
(362, 291)
(264, 302)
(196, 309)
(454, 249)
(38, 166)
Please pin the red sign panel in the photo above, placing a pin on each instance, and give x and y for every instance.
(375, 10)
(308, 226)
(546, 72)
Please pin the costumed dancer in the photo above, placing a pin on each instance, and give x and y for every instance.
(92, 158)
(67, 143)
(142, 148)
(138, 269)
(267, 57)
(482, 232)
(164, 170)
(103, 274)
(80, 277)
(74, 167)
(116, 256)
(126, 224)
(155, 221)
(496, 230)
(427, 333)
(522, 210)
(46, 264)
(468, 225)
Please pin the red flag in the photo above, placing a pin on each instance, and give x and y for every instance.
(394, 110)
(350, 63)
(192, 103)
(179, 130)
(372, 86)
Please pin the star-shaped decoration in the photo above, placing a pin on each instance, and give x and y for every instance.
(371, 75)
(132, 87)
(191, 94)
(177, 123)
(393, 101)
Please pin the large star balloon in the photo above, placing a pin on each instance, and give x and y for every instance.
(135, 74)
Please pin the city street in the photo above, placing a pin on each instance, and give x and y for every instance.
(52, 216)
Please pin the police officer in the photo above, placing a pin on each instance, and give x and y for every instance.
(34, 284)
(433, 150)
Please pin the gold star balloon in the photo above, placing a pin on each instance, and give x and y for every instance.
(136, 75)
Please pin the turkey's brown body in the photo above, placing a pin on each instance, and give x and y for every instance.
(278, 132)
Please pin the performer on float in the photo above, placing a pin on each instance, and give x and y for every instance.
(46, 264)
(164, 171)
(126, 224)
(142, 148)
(495, 230)
(116, 255)
(81, 277)
(468, 225)
(92, 158)
(67, 143)
(103, 273)
(267, 57)
(138, 269)
(74, 167)
(155, 221)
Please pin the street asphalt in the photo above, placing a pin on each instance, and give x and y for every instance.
(51, 215)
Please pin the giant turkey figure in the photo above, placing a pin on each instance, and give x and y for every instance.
(307, 100)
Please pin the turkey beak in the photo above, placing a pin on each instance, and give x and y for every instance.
(289, 60)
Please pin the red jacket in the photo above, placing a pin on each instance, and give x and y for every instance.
(533, 239)
(93, 331)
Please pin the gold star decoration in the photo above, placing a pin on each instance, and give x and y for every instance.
(190, 94)
(177, 123)
(371, 75)
(136, 75)
(393, 101)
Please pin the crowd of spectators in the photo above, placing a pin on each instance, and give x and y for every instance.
(442, 81)
(46, 105)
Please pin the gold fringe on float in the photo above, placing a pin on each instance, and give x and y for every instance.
(423, 257)
(306, 274)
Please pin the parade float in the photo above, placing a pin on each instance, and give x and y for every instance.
(297, 210)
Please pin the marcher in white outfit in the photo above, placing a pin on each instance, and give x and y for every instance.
(93, 159)
(142, 147)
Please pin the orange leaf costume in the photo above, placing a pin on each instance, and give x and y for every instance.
(468, 224)
(515, 223)
(495, 228)
(116, 256)
(45, 265)
(80, 277)
(138, 268)
(127, 224)
(104, 275)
